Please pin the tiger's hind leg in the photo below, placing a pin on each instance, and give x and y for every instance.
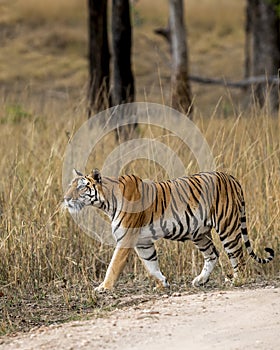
(147, 253)
(205, 244)
(231, 239)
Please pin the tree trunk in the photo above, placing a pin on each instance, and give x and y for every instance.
(123, 85)
(262, 49)
(181, 91)
(99, 57)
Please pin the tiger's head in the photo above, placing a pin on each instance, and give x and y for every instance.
(84, 190)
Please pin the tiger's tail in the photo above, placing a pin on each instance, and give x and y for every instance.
(247, 243)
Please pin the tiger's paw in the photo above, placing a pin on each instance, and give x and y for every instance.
(200, 281)
(162, 285)
(102, 288)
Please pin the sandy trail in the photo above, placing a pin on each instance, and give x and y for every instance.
(238, 319)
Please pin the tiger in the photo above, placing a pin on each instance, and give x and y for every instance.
(185, 208)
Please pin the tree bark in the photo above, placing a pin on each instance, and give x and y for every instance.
(99, 57)
(123, 80)
(123, 85)
(181, 91)
(262, 50)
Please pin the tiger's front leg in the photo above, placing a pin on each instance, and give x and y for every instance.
(147, 253)
(115, 268)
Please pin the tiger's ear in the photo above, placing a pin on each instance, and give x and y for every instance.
(77, 173)
(96, 176)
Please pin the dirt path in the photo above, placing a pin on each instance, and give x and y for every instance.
(239, 319)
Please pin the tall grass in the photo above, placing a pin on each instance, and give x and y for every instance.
(40, 244)
(246, 146)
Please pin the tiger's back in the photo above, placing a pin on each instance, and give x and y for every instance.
(178, 209)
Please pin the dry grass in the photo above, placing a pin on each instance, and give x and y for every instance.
(43, 251)
(45, 258)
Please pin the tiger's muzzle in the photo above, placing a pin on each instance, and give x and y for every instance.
(73, 205)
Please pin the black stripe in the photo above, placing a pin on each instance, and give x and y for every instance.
(152, 257)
